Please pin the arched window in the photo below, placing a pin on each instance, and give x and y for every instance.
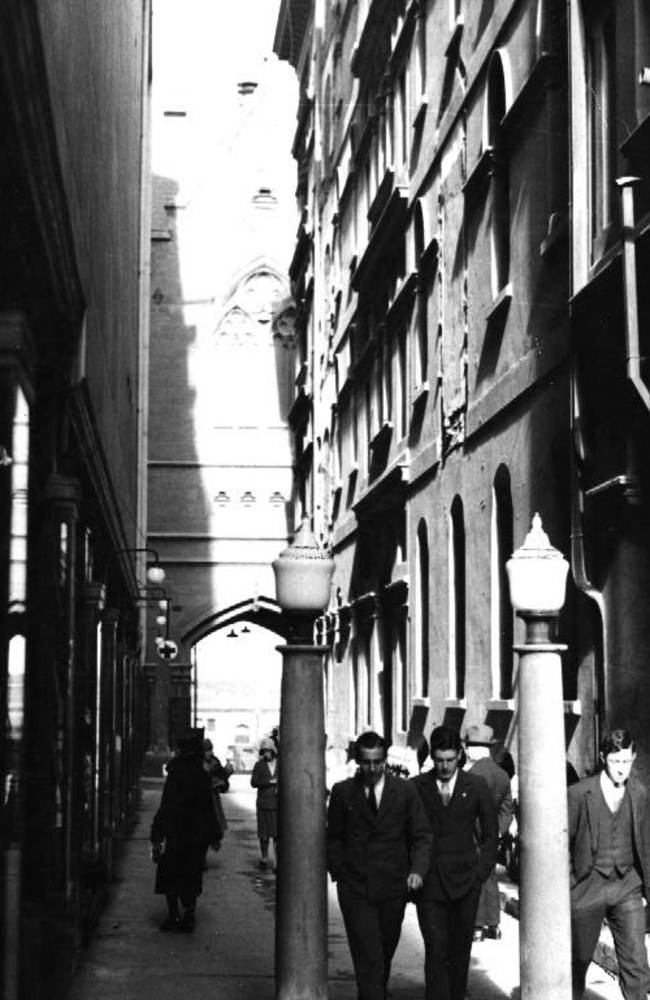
(502, 613)
(457, 601)
(422, 613)
(422, 331)
(500, 182)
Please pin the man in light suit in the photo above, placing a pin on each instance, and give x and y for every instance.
(463, 819)
(378, 850)
(609, 844)
(479, 741)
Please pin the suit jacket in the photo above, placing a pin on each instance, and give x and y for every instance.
(465, 835)
(499, 784)
(374, 854)
(583, 827)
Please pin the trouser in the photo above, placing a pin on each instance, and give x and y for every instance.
(447, 928)
(617, 899)
(373, 930)
(489, 906)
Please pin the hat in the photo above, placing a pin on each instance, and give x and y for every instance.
(268, 744)
(481, 735)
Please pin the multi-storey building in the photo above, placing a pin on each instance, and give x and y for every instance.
(470, 348)
(74, 83)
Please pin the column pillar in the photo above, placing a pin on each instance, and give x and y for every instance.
(544, 908)
(301, 897)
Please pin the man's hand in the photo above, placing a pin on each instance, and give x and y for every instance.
(414, 882)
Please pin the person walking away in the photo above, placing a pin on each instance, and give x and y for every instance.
(265, 779)
(182, 829)
(609, 845)
(378, 850)
(479, 741)
(463, 820)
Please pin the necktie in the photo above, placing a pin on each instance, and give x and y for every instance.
(445, 793)
(372, 799)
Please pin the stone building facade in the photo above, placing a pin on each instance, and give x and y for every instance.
(470, 349)
(74, 181)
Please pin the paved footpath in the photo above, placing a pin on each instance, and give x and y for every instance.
(230, 954)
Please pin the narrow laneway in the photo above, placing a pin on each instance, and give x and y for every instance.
(230, 954)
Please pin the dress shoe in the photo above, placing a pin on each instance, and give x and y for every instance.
(187, 922)
(170, 924)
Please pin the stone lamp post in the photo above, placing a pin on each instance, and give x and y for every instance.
(303, 576)
(537, 577)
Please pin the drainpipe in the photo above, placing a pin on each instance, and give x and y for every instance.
(578, 559)
(633, 358)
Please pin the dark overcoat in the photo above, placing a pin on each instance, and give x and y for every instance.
(583, 827)
(187, 823)
(374, 853)
(465, 835)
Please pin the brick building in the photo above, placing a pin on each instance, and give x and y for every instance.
(470, 349)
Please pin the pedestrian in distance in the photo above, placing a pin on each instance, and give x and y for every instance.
(378, 851)
(183, 828)
(479, 741)
(265, 779)
(463, 819)
(609, 845)
(219, 776)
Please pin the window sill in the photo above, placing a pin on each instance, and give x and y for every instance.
(421, 702)
(418, 119)
(454, 42)
(501, 304)
(573, 707)
(500, 704)
(455, 703)
(420, 395)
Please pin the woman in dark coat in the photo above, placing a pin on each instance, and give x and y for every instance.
(182, 829)
(265, 779)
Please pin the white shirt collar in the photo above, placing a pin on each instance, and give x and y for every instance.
(451, 784)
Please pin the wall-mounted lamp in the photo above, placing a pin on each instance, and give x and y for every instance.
(245, 630)
(155, 572)
(232, 634)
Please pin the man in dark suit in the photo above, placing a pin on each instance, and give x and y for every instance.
(609, 844)
(463, 819)
(378, 850)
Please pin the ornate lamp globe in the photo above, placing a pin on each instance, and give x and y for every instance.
(303, 575)
(537, 574)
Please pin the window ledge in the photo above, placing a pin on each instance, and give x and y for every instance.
(500, 704)
(456, 35)
(421, 702)
(455, 702)
(382, 437)
(420, 394)
(418, 119)
(501, 303)
(573, 707)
